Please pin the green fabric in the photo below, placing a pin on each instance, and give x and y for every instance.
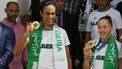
(34, 46)
(58, 39)
(111, 55)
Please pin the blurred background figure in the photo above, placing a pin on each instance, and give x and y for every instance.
(70, 24)
(59, 12)
(114, 3)
(119, 7)
(12, 11)
(34, 10)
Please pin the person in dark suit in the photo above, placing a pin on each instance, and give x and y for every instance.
(70, 24)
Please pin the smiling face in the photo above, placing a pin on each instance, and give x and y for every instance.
(48, 15)
(104, 29)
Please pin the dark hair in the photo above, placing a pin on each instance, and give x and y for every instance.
(12, 2)
(107, 17)
(35, 10)
(119, 7)
(45, 3)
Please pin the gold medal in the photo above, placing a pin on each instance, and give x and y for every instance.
(35, 24)
(91, 44)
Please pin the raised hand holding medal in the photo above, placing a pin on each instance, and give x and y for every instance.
(31, 26)
(35, 24)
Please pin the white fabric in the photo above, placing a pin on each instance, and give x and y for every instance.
(47, 56)
(96, 15)
(98, 64)
(114, 3)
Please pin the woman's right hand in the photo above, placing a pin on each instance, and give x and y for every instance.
(29, 29)
(86, 51)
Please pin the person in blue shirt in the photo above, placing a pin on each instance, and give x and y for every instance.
(7, 42)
